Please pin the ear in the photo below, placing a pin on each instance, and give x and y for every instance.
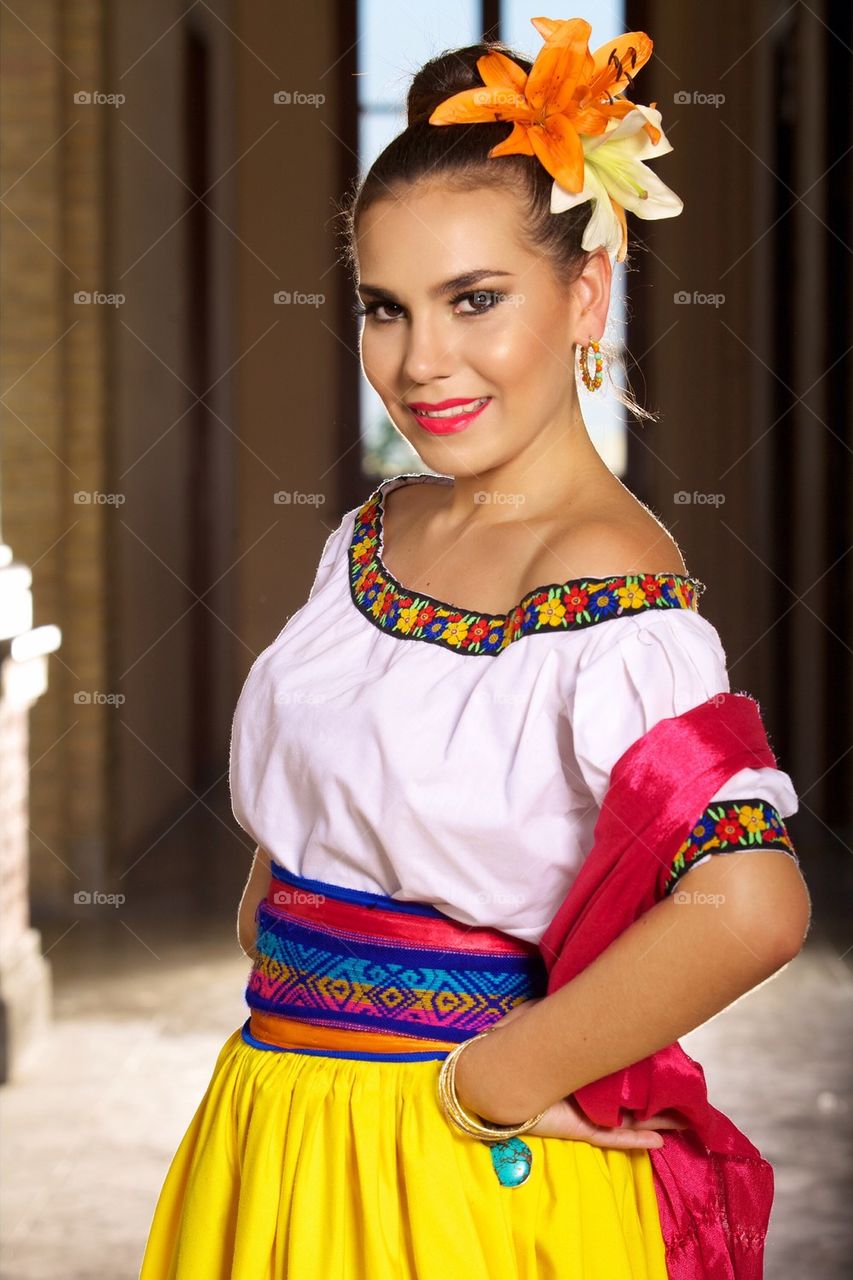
(592, 293)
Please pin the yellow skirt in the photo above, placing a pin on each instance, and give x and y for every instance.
(302, 1166)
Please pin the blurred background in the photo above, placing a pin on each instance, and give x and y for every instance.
(184, 421)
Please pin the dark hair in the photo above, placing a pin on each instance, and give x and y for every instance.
(457, 155)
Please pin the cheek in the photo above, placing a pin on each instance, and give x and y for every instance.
(522, 351)
(377, 360)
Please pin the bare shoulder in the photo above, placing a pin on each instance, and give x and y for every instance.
(628, 540)
(616, 549)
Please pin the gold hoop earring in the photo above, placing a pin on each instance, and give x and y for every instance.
(591, 381)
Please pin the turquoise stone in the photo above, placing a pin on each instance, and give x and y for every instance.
(512, 1160)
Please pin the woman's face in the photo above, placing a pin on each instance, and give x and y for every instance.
(504, 332)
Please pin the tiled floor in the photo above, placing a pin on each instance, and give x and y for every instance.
(140, 1018)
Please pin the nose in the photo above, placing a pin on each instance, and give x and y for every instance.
(428, 354)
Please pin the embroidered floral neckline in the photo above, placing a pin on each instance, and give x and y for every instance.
(563, 606)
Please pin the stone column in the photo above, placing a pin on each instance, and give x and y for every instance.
(24, 972)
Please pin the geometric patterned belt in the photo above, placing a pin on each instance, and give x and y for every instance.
(349, 973)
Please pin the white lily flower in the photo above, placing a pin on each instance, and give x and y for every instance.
(613, 167)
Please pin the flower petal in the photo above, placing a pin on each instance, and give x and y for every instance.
(516, 143)
(659, 201)
(631, 184)
(619, 214)
(632, 133)
(561, 151)
(499, 71)
(604, 228)
(594, 119)
(547, 26)
(631, 52)
(655, 143)
(562, 63)
(561, 199)
(481, 104)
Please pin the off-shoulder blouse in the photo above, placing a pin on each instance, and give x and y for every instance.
(393, 743)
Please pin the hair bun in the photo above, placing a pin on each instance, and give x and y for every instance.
(449, 73)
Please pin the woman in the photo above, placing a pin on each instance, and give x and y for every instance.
(422, 753)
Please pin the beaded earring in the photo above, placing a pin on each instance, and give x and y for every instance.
(591, 381)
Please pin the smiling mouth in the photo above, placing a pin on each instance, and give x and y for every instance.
(456, 411)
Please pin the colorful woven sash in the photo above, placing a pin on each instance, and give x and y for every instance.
(347, 973)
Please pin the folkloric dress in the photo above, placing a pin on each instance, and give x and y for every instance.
(427, 780)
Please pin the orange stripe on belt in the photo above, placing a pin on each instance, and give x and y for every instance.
(293, 1033)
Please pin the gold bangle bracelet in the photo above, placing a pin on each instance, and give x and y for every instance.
(464, 1120)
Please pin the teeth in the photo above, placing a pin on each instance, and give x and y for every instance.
(453, 413)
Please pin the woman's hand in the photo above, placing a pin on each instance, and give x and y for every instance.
(475, 1087)
(564, 1119)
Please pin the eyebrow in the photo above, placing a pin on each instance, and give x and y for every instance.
(440, 290)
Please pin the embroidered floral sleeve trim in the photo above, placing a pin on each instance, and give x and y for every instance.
(567, 606)
(729, 827)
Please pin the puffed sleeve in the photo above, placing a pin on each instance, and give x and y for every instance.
(336, 547)
(642, 669)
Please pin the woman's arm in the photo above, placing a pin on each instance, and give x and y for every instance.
(735, 920)
(256, 888)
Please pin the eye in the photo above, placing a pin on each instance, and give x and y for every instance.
(482, 300)
(480, 308)
(372, 308)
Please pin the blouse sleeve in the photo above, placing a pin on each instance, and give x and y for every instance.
(336, 544)
(649, 667)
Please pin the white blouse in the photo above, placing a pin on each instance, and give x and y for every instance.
(386, 741)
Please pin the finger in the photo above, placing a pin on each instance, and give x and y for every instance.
(627, 1139)
(597, 1136)
(517, 1011)
(624, 1139)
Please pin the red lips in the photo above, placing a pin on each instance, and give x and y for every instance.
(467, 411)
(443, 404)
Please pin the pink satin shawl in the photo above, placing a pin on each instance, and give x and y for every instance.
(713, 1187)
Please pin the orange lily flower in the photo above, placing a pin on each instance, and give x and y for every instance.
(568, 92)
